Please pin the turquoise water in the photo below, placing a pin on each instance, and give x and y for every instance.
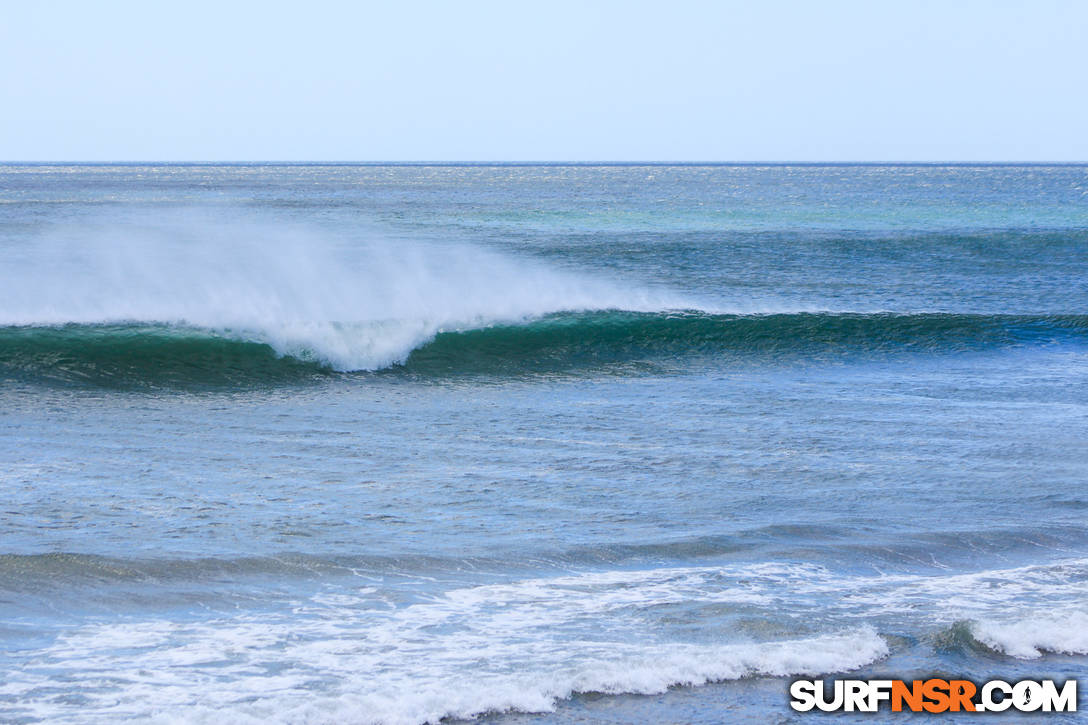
(532, 443)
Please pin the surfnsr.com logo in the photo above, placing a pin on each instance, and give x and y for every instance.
(934, 695)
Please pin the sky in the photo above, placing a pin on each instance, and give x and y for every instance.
(673, 80)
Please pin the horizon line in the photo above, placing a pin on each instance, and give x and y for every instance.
(527, 162)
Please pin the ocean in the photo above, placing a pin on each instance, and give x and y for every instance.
(302, 443)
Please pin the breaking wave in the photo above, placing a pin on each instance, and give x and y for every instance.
(191, 302)
(159, 354)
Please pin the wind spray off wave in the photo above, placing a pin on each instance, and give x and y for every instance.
(362, 306)
(233, 304)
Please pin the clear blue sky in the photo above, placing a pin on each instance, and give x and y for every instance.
(670, 80)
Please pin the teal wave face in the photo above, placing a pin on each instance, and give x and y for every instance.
(147, 355)
(140, 355)
(577, 340)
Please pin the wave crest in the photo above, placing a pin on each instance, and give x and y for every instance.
(153, 354)
(1060, 632)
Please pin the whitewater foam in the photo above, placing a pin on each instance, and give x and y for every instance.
(1029, 637)
(354, 656)
(361, 653)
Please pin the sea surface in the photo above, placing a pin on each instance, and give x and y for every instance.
(535, 443)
